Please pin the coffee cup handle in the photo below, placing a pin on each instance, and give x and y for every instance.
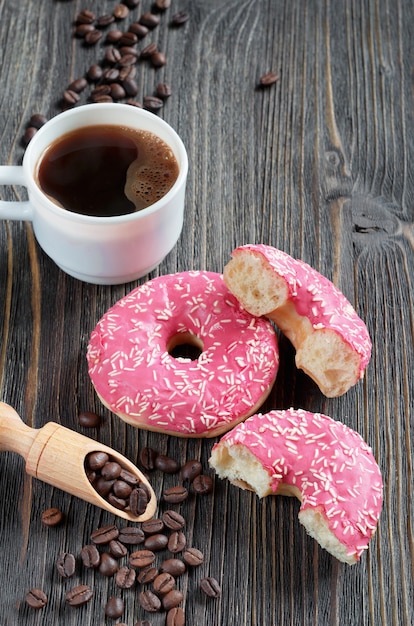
(14, 210)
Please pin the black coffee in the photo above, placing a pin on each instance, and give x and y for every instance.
(107, 170)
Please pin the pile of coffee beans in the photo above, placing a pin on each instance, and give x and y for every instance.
(152, 558)
(120, 487)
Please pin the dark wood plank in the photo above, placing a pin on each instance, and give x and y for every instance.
(318, 165)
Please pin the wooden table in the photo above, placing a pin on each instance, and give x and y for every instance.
(318, 164)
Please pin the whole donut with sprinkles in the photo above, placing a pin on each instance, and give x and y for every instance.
(139, 369)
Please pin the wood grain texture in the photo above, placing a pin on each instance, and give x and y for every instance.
(319, 165)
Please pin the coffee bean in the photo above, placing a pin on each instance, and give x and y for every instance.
(108, 565)
(66, 564)
(127, 60)
(172, 599)
(111, 470)
(52, 516)
(130, 86)
(130, 51)
(85, 17)
(86, 419)
(165, 463)
(36, 598)
(175, 495)
(117, 91)
(268, 79)
(161, 5)
(193, 557)
(100, 90)
(121, 489)
(96, 460)
(173, 520)
(129, 477)
(147, 575)
(102, 486)
(177, 542)
(128, 39)
(117, 549)
(134, 103)
(191, 470)
(79, 595)
(179, 18)
(175, 567)
(158, 59)
(29, 134)
(132, 3)
(141, 558)
(202, 484)
(150, 20)
(156, 542)
(152, 526)
(131, 535)
(163, 583)
(211, 587)
(92, 37)
(120, 11)
(90, 556)
(98, 99)
(147, 458)
(125, 577)
(175, 617)
(114, 607)
(113, 36)
(149, 601)
(71, 97)
(37, 120)
(104, 534)
(105, 20)
(83, 29)
(94, 73)
(112, 55)
(118, 503)
(139, 30)
(163, 90)
(152, 103)
(138, 501)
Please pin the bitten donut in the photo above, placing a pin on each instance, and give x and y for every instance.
(324, 463)
(134, 366)
(332, 343)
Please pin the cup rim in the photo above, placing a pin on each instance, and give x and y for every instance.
(113, 219)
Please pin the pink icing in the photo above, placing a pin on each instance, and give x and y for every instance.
(317, 298)
(135, 375)
(330, 464)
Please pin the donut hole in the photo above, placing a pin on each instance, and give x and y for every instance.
(185, 346)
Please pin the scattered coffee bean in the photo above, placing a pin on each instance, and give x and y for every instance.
(131, 535)
(79, 595)
(152, 526)
(141, 558)
(156, 542)
(193, 557)
(175, 495)
(112, 55)
(105, 20)
(177, 542)
(117, 91)
(147, 458)
(139, 30)
(147, 575)
(66, 564)
(172, 599)
(147, 52)
(114, 607)
(29, 134)
(161, 5)
(108, 565)
(113, 36)
(202, 484)
(130, 86)
(158, 59)
(191, 470)
(211, 587)
(152, 103)
(83, 29)
(128, 39)
(149, 601)
(120, 11)
(125, 577)
(95, 73)
(134, 103)
(163, 90)
(175, 567)
(37, 120)
(166, 464)
(175, 617)
(92, 37)
(71, 97)
(179, 18)
(173, 520)
(150, 20)
(90, 556)
(117, 549)
(36, 598)
(163, 583)
(85, 17)
(87, 419)
(52, 516)
(268, 79)
(104, 534)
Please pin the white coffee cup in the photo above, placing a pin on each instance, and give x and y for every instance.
(100, 250)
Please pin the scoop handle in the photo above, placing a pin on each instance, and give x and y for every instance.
(15, 435)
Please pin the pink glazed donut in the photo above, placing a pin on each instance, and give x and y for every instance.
(324, 463)
(332, 343)
(137, 374)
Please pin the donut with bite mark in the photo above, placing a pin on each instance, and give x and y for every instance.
(332, 343)
(179, 355)
(323, 462)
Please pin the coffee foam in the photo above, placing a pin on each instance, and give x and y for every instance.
(152, 174)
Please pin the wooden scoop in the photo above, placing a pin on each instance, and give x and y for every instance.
(56, 455)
